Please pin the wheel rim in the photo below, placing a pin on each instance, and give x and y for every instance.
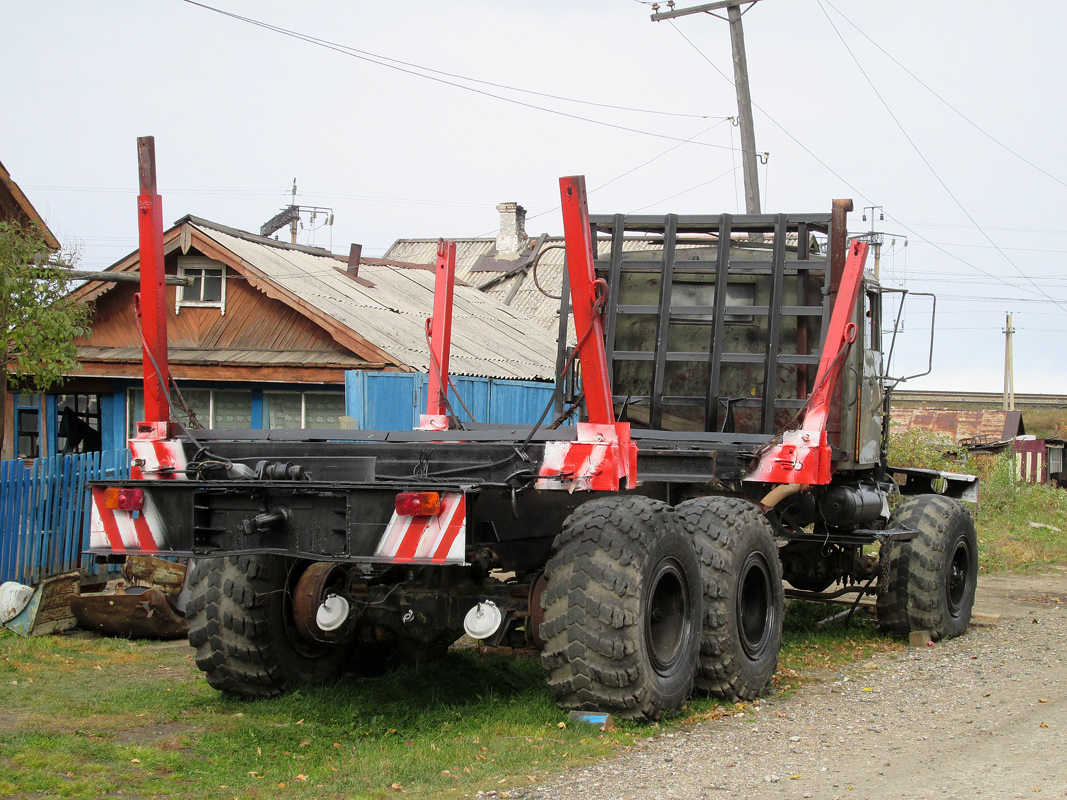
(667, 616)
(959, 574)
(754, 605)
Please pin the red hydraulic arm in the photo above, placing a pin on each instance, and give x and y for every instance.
(152, 300)
(439, 335)
(804, 455)
(587, 295)
(602, 457)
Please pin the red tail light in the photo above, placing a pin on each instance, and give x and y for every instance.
(418, 504)
(123, 499)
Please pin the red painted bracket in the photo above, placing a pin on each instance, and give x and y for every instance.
(439, 335)
(804, 456)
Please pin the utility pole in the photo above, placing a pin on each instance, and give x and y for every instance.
(1009, 377)
(744, 97)
(293, 224)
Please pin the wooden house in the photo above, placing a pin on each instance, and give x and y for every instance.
(264, 336)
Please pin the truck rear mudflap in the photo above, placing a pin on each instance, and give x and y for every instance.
(359, 523)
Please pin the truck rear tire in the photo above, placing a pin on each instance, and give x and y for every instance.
(743, 595)
(243, 630)
(929, 581)
(622, 610)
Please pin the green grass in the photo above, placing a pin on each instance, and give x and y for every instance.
(86, 717)
(1017, 522)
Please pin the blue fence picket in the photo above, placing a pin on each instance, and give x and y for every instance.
(45, 510)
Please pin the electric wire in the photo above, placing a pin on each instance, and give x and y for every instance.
(627, 172)
(412, 69)
(836, 174)
(949, 105)
(926, 161)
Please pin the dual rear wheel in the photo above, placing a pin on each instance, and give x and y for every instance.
(644, 602)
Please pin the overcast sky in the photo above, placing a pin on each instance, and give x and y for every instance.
(948, 115)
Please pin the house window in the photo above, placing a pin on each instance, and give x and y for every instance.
(27, 425)
(78, 423)
(228, 409)
(303, 409)
(209, 283)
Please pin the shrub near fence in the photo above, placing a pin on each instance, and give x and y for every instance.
(44, 512)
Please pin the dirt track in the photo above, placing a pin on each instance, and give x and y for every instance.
(984, 715)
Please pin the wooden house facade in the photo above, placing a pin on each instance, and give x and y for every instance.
(265, 334)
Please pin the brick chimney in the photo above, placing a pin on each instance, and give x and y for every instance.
(512, 238)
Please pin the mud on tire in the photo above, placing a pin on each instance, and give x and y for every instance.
(622, 610)
(246, 643)
(928, 583)
(743, 595)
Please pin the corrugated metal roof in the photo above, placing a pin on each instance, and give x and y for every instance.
(488, 338)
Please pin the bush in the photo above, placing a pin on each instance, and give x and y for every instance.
(921, 449)
(1017, 522)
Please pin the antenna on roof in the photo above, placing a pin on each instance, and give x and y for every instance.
(290, 215)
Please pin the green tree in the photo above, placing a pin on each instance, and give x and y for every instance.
(38, 318)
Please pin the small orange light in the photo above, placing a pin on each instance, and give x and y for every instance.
(418, 504)
(123, 499)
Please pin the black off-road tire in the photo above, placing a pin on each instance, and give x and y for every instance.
(928, 583)
(246, 643)
(743, 595)
(622, 610)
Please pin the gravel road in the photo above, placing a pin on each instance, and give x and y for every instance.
(984, 715)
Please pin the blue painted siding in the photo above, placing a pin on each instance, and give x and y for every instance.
(393, 401)
(520, 402)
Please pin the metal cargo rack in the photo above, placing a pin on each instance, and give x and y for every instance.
(685, 357)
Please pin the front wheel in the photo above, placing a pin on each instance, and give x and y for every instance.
(928, 583)
(622, 610)
(743, 595)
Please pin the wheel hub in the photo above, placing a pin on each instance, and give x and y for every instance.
(754, 605)
(666, 616)
(958, 576)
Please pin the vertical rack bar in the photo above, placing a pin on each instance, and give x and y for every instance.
(722, 279)
(803, 322)
(774, 325)
(670, 233)
(618, 229)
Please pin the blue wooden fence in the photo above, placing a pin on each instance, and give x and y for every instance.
(44, 512)
(393, 401)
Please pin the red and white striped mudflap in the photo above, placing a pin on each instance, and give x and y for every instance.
(440, 539)
(117, 531)
(601, 458)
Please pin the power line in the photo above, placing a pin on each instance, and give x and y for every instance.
(951, 107)
(624, 174)
(412, 69)
(837, 175)
(685, 191)
(925, 161)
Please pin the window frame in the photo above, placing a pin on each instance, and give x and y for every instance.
(187, 266)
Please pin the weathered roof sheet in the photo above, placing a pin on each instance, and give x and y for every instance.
(488, 339)
(206, 356)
